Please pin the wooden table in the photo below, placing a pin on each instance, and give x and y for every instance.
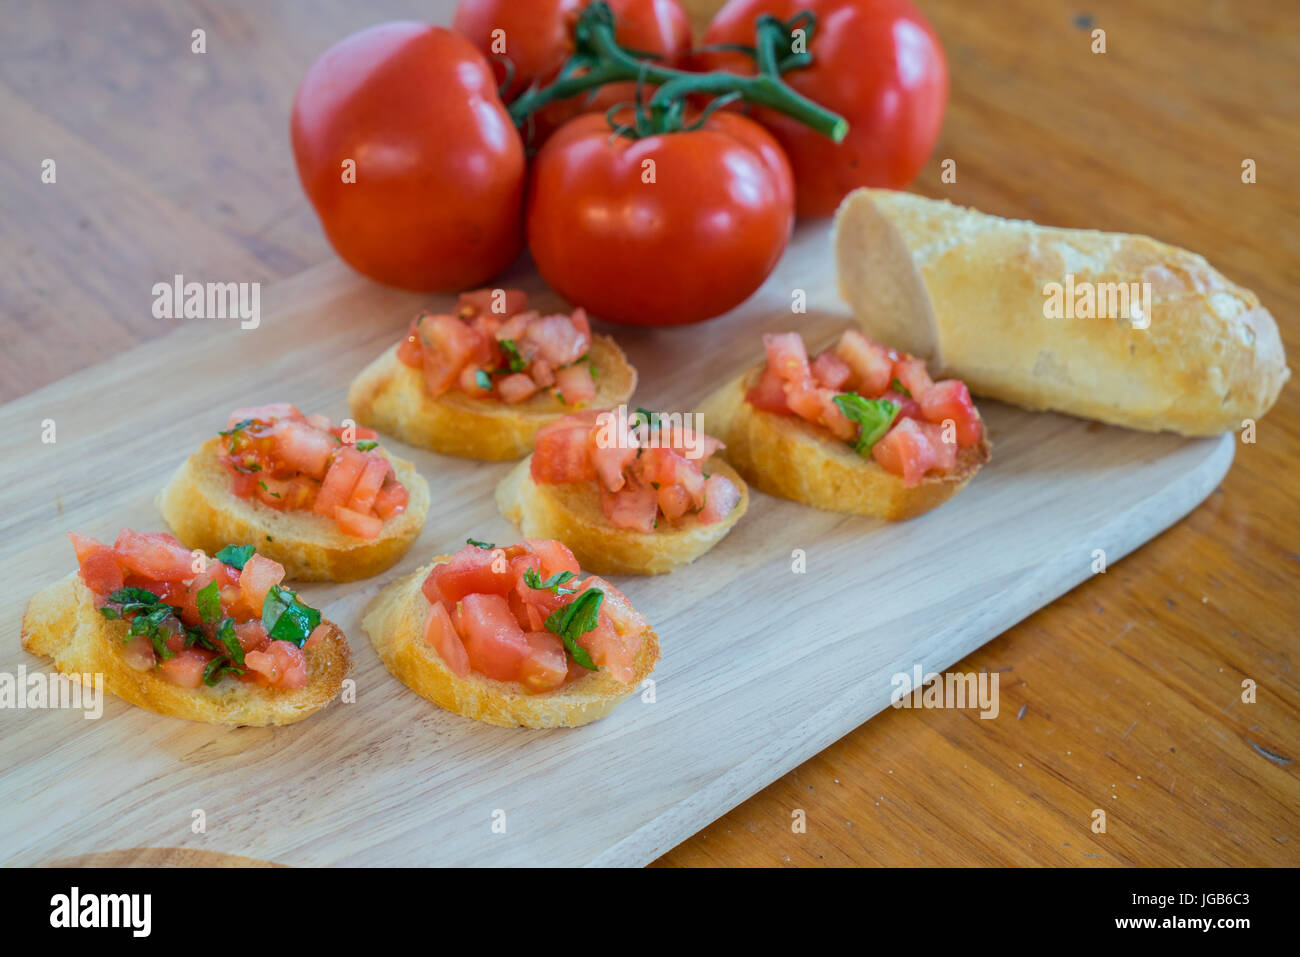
(1125, 695)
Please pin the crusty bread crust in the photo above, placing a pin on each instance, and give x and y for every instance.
(572, 514)
(785, 456)
(62, 622)
(390, 396)
(204, 513)
(966, 290)
(395, 623)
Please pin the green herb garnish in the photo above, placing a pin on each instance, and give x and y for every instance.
(477, 544)
(514, 360)
(874, 415)
(237, 556)
(482, 380)
(365, 445)
(533, 580)
(226, 635)
(217, 668)
(651, 419)
(575, 619)
(237, 427)
(897, 386)
(208, 600)
(285, 618)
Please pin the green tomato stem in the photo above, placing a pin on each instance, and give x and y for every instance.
(606, 62)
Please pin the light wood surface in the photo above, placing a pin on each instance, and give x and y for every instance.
(169, 164)
(781, 640)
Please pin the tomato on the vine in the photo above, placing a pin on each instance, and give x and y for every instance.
(536, 36)
(409, 157)
(668, 229)
(878, 63)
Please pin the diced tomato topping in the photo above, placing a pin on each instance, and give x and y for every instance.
(186, 667)
(575, 384)
(441, 635)
(368, 485)
(409, 352)
(302, 447)
(516, 387)
(281, 664)
(358, 525)
(497, 628)
(634, 507)
(945, 453)
(831, 372)
(768, 393)
(99, 568)
(253, 637)
(340, 481)
(720, 497)
(502, 303)
(911, 373)
(138, 653)
(560, 453)
(950, 399)
(255, 581)
(872, 368)
(391, 500)
(905, 450)
(473, 569)
(494, 641)
(155, 555)
(787, 384)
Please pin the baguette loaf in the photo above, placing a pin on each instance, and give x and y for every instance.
(970, 292)
(390, 396)
(62, 622)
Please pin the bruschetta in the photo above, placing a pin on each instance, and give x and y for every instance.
(632, 493)
(327, 502)
(480, 383)
(209, 639)
(859, 429)
(514, 635)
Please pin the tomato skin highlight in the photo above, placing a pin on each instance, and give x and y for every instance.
(878, 63)
(691, 245)
(439, 167)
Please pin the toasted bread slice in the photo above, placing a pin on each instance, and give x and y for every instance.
(572, 514)
(62, 622)
(395, 623)
(204, 513)
(390, 396)
(786, 456)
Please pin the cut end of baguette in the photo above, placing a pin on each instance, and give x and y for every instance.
(572, 514)
(390, 396)
(61, 622)
(395, 623)
(785, 456)
(204, 513)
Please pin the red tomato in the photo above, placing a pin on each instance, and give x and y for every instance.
(441, 635)
(878, 63)
(537, 38)
(950, 399)
(679, 240)
(439, 165)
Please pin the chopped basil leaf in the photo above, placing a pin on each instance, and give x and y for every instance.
(897, 386)
(285, 618)
(112, 614)
(133, 599)
(482, 380)
(237, 427)
(560, 395)
(477, 544)
(237, 556)
(365, 445)
(874, 415)
(575, 619)
(514, 360)
(218, 668)
(651, 419)
(533, 580)
(195, 636)
(208, 601)
(226, 635)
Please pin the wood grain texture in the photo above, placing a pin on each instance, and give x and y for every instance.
(764, 661)
(1148, 137)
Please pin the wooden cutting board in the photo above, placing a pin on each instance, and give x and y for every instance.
(762, 666)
